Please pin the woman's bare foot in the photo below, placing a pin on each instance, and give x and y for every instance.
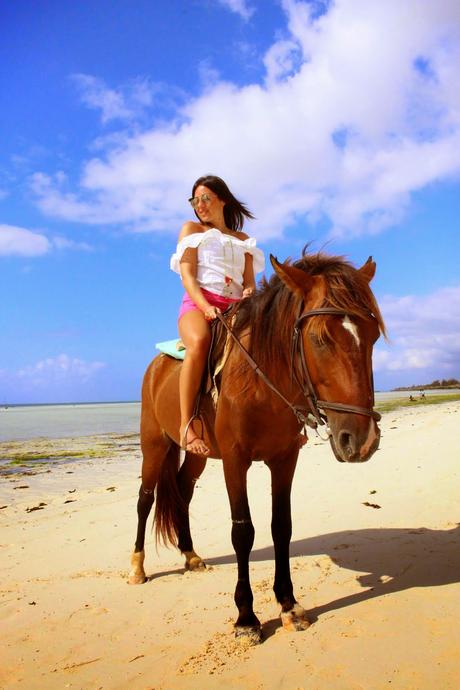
(192, 443)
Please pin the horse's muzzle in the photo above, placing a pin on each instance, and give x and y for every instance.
(352, 443)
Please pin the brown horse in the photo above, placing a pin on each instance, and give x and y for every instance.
(310, 329)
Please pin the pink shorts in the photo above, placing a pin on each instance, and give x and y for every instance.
(214, 300)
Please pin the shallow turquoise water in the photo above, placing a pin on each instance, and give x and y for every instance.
(58, 421)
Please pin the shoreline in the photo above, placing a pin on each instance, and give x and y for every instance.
(74, 403)
(28, 458)
(92, 419)
(375, 559)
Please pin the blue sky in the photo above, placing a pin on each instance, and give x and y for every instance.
(338, 123)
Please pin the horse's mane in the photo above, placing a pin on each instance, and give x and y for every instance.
(271, 312)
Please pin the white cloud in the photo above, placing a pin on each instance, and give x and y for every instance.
(16, 241)
(345, 126)
(60, 369)
(123, 103)
(241, 7)
(424, 334)
(281, 60)
(64, 243)
(58, 379)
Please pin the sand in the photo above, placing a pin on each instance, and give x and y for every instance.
(375, 560)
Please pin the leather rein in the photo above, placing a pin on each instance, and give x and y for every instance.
(312, 414)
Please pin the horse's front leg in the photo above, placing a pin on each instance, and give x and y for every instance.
(293, 616)
(235, 470)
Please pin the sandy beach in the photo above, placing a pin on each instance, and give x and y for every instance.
(375, 560)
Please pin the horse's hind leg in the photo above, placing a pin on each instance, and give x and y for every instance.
(154, 453)
(189, 473)
(144, 506)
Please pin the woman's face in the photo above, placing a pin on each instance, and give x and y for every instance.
(208, 206)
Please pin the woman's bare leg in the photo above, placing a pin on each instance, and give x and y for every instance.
(195, 333)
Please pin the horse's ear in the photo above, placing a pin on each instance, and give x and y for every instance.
(294, 278)
(368, 269)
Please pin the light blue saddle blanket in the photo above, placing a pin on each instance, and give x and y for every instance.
(173, 348)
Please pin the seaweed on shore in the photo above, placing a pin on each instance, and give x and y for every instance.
(29, 457)
(22, 463)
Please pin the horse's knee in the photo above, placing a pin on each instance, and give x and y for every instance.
(145, 502)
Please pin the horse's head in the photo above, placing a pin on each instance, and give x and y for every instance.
(337, 347)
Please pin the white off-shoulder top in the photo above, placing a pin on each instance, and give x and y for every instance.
(220, 260)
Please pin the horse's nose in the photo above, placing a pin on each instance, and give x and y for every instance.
(353, 442)
(347, 447)
(372, 442)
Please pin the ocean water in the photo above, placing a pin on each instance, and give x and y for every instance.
(58, 421)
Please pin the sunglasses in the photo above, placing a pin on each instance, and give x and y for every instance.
(204, 198)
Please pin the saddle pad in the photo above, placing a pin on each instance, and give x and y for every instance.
(169, 347)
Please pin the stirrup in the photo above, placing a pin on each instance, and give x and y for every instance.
(183, 441)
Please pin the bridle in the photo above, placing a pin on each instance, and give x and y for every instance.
(304, 380)
(311, 415)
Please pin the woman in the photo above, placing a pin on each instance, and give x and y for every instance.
(217, 263)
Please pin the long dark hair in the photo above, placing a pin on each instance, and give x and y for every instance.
(234, 211)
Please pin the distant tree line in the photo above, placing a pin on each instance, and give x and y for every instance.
(444, 383)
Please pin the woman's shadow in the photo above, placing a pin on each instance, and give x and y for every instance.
(389, 560)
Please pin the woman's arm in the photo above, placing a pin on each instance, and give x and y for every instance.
(249, 281)
(188, 266)
(188, 273)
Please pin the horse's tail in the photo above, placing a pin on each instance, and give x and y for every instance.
(170, 508)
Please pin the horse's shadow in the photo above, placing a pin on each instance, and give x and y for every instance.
(388, 559)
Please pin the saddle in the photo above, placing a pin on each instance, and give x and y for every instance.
(217, 355)
(208, 392)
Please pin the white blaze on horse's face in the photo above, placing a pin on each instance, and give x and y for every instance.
(351, 327)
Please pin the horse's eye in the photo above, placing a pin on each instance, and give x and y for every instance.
(316, 341)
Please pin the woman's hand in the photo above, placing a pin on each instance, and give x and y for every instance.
(210, 313)
(247, 292)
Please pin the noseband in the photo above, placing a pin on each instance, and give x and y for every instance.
(304, 380)
(303, 414)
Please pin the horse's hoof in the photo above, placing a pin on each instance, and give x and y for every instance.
(137, 573)
(195, 564)
(193, 561)
(249, 635)
(136, 579)
(295, 619)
